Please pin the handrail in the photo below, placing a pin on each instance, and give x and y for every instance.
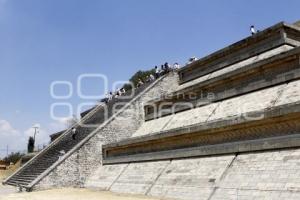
(55, 141)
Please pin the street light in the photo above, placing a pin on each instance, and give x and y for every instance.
(36, 130)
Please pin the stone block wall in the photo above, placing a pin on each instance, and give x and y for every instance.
(283, 94)
(248, 176)
(64, 175)
(267, 175)
(73, 171)
(238, 65)
(191, 178)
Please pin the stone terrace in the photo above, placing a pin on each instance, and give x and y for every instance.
(241, 144)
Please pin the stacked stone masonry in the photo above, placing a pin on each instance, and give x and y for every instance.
(229, 82)
(260, 174)
(88, 158)
(236, 66)
(260, 100)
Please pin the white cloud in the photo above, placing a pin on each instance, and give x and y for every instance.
(17, 140)
(64, 120)
(59, 125)
(11, 137)
(6, 128)
(62, 123)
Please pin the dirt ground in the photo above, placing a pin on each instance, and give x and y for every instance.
(69, 194)
(5, 173)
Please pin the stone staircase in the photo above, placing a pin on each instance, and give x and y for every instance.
(25, 177)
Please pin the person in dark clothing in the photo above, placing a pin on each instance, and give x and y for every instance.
(167, 67)
(176, 66)
(117, 93)
(162, 70)
(74, 133)
(122, 91)
(110, 96)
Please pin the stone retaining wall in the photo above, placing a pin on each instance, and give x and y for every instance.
(260, 175)
(75, 169)
(255, 101)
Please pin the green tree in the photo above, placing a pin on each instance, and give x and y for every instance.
(138, 75)
(30, 145)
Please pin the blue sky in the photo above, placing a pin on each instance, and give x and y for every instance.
(42, 41)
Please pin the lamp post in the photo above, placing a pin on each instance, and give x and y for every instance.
(36, 130)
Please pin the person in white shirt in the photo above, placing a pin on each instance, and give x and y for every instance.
(176, 66)
(192, 59)
(106, 97)
(157, 72)
(140, 83)
(151, 77)
(253, 30)
(61, 154)
(117, 92)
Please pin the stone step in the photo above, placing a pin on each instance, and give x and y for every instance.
(42, 165)
(34, 171)
(28, 176)
(17, 183)
(42, 162)
(25, 180)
